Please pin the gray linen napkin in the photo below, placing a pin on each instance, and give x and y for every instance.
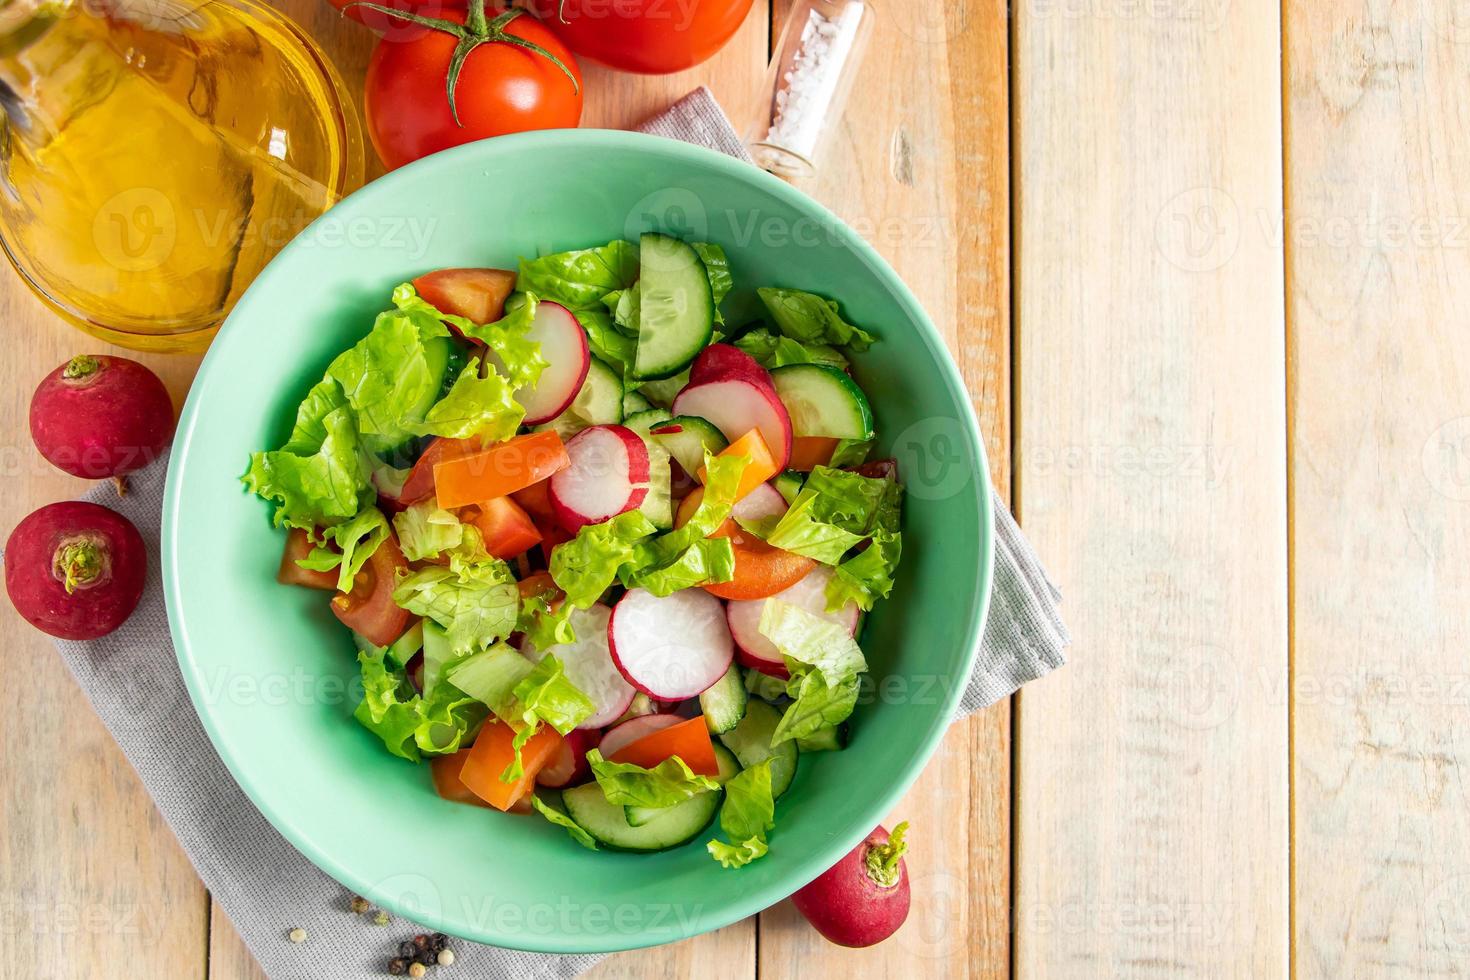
(262, 883)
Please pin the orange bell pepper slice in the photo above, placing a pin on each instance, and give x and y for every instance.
(762, 465)
(506, 529)
(447, 783)
(499, 470)
(492, 753)
(689, 740)
(760, 570)
(419, 485)
(809, 452)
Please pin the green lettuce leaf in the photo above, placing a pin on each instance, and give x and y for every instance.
(544, 696)
(519, 358)
(544, 626)
(825, 663)
(315, 486)
(812, 319)
(580, 278)
(475, 602)
(749, 811)
(587, 565)
(687, 556)
(562, 820)
(717, 268)
(356, 539)
(425, 530)
(774, 350)
(490, 676)
(850, 452)
(666, 784)
(835, 511)
(475, 406)
(387, 376)
(868, 576)
(411, 725)
(310, 430)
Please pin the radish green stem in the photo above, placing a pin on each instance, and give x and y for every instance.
(882, 859)
(81, 366)
(79, 563)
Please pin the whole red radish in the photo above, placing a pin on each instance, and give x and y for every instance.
(98, 416)
(864, 898)
(75, 570)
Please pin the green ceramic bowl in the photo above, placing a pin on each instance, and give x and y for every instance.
(272, 674)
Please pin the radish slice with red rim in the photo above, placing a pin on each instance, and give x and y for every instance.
(564, 346)
(589, 665)
(735, 407)
(671, 648)
(606, 476)
(810, 594)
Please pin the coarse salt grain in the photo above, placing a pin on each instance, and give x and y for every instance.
(803, 104)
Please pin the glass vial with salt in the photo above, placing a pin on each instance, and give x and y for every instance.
(811, 70)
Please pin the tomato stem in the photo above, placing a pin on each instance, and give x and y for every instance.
(474, 32)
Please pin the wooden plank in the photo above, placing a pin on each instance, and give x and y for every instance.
(920, 167)
(1378, 199)
(615, 101)
(1151, 773)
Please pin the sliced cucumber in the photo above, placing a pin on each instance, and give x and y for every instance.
(723, 702)
(789, 482)
(829, 739)
(608, 824)
(823, 401)
(658, 503)
(637, 816)
(677, 314)
(764, 686)
(751, 742)
(663, 392)
(688, 443)
(634, 403)
(598, 402)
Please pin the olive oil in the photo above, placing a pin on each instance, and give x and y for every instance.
(157, 153)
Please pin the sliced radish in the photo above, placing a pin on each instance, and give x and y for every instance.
(631, 731)
(723, 362)
(810, 594)
(762, 502)
(569, 765)
(564, 345)
(735, 407)
(607, 475)
(589, 665)
(673, 647)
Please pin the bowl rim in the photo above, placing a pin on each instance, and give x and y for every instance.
(803, 869)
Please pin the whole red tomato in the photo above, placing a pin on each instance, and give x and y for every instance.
(653, 37)
(502, 87)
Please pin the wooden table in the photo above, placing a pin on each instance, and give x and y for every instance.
(1202, 264)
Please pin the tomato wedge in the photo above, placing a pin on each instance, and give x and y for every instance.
(369, 609)
(505, 528)
(446, 778)
(762, 465)
(419, 485)
(500, 470)
(809, 452)
(536, 501)
(476, 294)
(760, 570)
(298, 545)
(689, 740)
(492, 752)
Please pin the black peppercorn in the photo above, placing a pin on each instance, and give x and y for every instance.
(398, 967)
(427, 957)
(407, 950)
(438, 941)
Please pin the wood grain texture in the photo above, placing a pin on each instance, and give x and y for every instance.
(1378, 201)
(1152, 772)
(919, 168)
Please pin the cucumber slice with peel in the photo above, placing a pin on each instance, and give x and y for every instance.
(658, 505)
(608, 823)
(723, 703)
(751, 742)
(686, 437)
(676, 315)
(823, 401)
(637, 816)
